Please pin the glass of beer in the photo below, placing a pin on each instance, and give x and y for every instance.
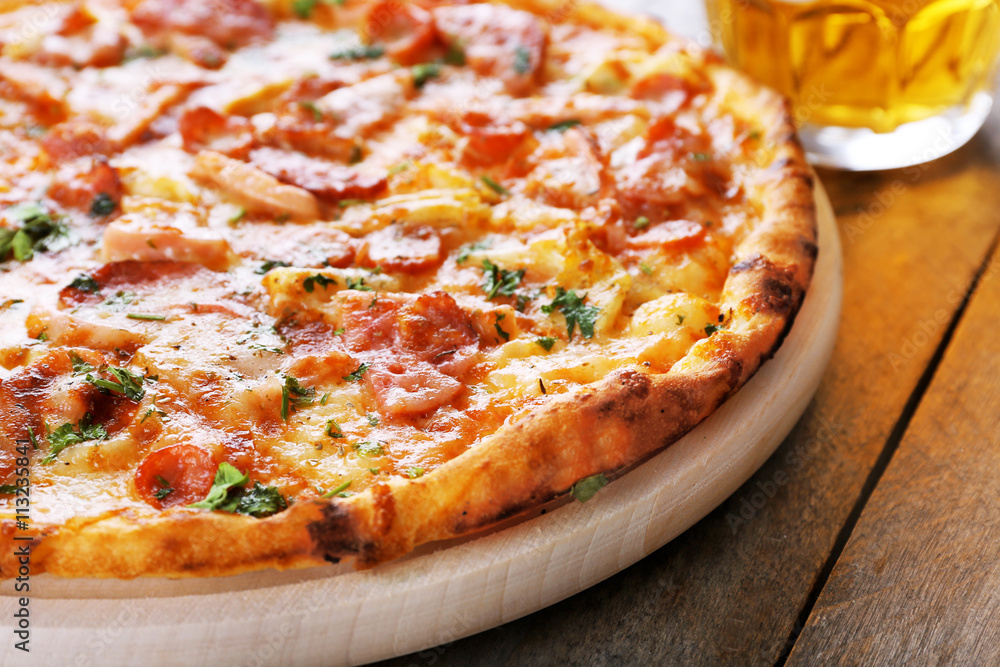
(875, 84)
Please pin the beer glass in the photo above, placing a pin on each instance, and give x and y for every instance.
(875, 84)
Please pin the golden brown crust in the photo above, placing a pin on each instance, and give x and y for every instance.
(603, 428)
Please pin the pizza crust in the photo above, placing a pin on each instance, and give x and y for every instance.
(603, 428)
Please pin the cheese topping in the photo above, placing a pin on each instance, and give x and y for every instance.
(334, 243)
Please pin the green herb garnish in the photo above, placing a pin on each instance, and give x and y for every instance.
(361, 52)
(333, 429)
(270, 264)
(146, 316)
(575, 312)
(103, 205)
(414, 472)
(585, 489)
(309, 284)
(85, 283)
(424, 73)
(494, 186)
(500, 281)
(369, 450)
(357, 374)
(562, 126)
(68, 435)
(546, 342)
(522, 59)
(126, 383)
(294, 395)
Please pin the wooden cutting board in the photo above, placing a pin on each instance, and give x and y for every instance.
(336, 616)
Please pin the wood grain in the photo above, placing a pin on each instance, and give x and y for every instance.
(919, 577)
(728, 592)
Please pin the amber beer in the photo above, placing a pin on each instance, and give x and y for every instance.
(865, 63)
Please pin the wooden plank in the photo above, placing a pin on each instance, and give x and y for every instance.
(920, 576)
(730, 590)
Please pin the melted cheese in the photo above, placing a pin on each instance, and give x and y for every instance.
(402, 263)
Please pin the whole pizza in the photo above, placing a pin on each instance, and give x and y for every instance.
(288, 282)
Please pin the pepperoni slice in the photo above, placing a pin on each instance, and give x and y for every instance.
(188, 471)
(322, 178)
(398, 248)
(406, 31)
(228, 23)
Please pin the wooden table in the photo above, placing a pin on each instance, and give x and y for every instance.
(882, 544)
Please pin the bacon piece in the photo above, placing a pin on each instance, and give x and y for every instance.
(491, 139)
(130, 276)
(305, 246)
(136, 237)
(82, 41)
(202, 128)
(498, 41)
(401, 248)
(228, 23)
(672, 234)
(186, 470)
(406, 30)
(322, 178)
(77, 137)
(416, 348)
(369, 104)
(571, 172)
(78, 183)
(301, 132)
(258, 190)
(37, 85)
(199, 50)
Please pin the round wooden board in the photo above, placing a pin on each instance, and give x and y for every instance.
(336, 616)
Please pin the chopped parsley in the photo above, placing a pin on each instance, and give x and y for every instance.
(455, 55)
(522, 59)
(103, 205)
(641, 222)
(358, 284)
(69, 434)
(494, 186)
(546, 342)
(34, 440)
(564, 125)
(333, 429)
(369, 450)
(317, 113)
(500, 281)
(218, 498)
(270, 264)
(85, 283)
(146, 316)
(338, 491)
(228, 494)
(79, 365)
(294, 395)
(126, 383)
(237, 216)
(261, 501)
(711, 329)
(424, 73)
(500, 332)
(680, 319)
(466, 250)
(339, 331)
(585, 489)
(414, 472)
(360, 52)
(372, 420)
(120, 301)
(575, 312)
(701, 157)
(309, 284)
(357, 374)
(164, 490)
(38, 231)
(646, 268)
(10, 488)
(304, 8)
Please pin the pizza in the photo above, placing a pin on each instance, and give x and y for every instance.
(295, 281)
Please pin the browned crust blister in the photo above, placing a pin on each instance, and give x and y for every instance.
(603, 428)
